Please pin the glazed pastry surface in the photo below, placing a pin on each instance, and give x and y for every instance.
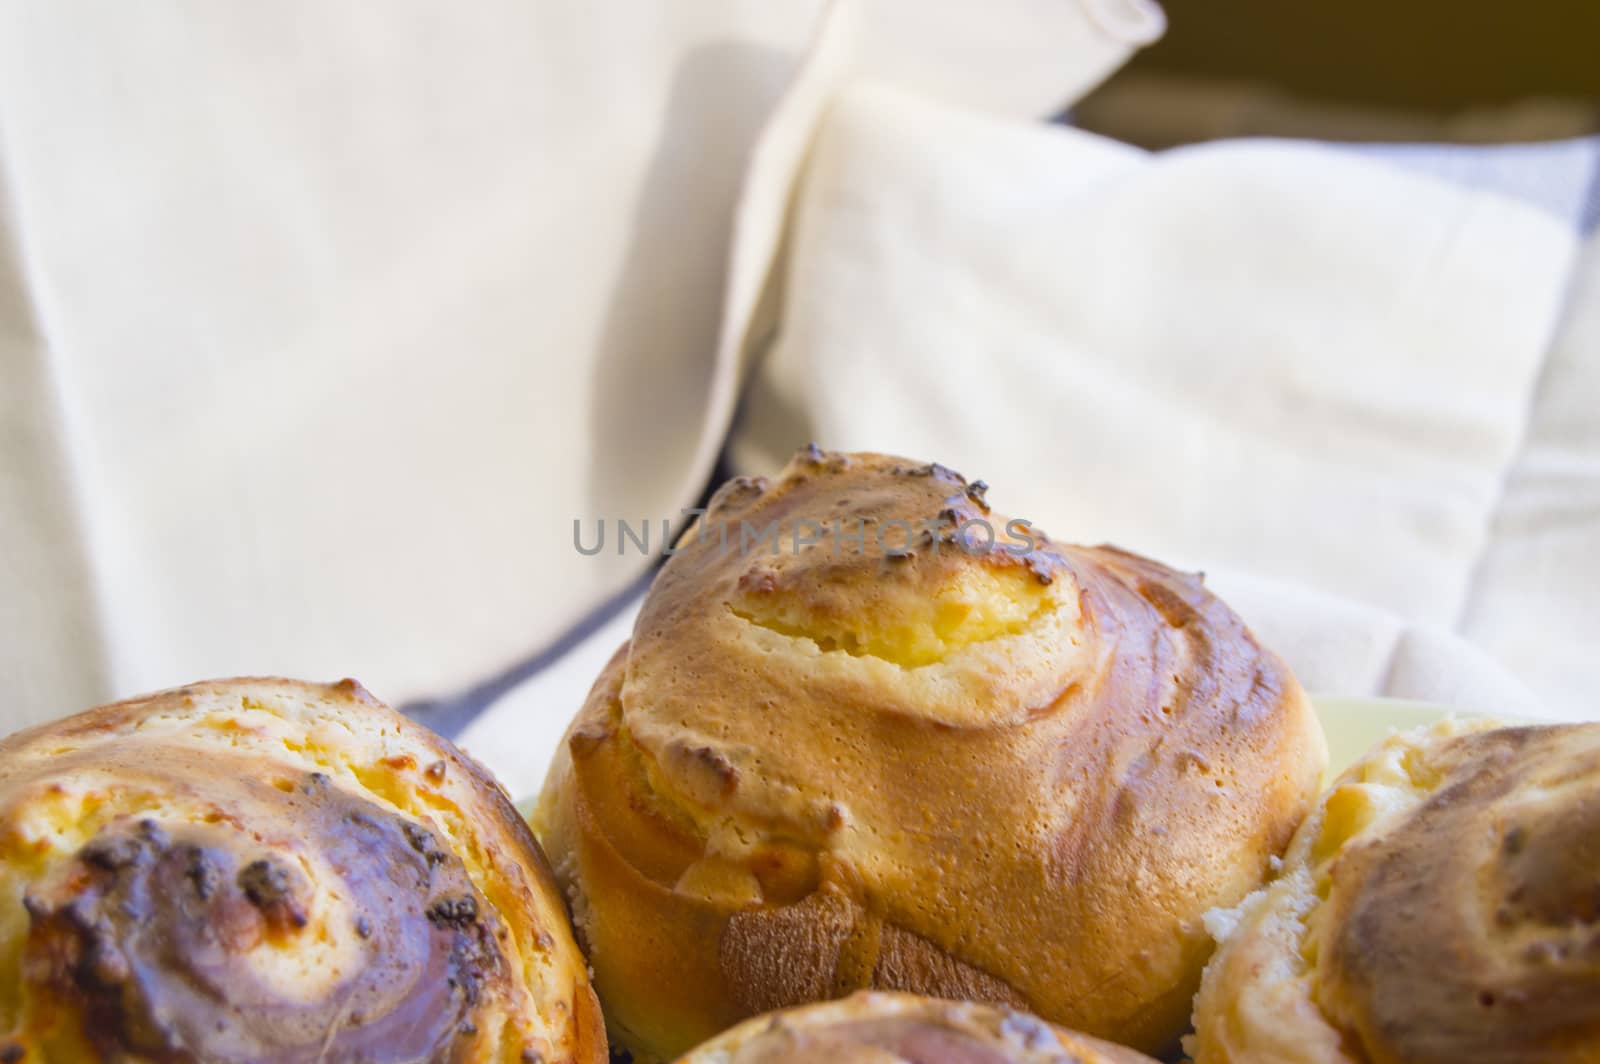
(1441, 904)
(880, 1028)
(267, 870)
(1012, 777)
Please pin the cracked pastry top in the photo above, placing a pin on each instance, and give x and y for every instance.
(871, 733)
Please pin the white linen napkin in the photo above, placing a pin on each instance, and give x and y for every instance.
(321, 322)
(1311, 364)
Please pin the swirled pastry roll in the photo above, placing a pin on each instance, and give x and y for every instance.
(1011, 775)
(1442, 904)
(879, 1028)
(264, 870)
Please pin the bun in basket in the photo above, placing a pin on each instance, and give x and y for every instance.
(266, 870)
(1017, 776)
(890, 1028)
(1442, 904)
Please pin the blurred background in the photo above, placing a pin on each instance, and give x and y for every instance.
(321, 324)
(1426, 70)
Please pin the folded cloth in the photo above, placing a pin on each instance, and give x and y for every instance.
(321, 323)
(1534, 594)
(1355, 384)
(1369, 372)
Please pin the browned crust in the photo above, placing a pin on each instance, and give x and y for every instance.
(829, 945)
(516, 869)
(748, 817)
(1470, 929)
(910, 1027)
(591, 1023)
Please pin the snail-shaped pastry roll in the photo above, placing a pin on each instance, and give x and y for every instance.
(870, 751)
(263, 870)
(880, 1028)
(1441, 905)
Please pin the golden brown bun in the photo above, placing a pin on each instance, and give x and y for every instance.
(1018, 779)
(877, 1028)
(1442, 904)
(266, 870)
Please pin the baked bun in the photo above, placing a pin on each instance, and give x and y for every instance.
(879, 1028)
(265, 870)
(1442, 904)
(1012, 777)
